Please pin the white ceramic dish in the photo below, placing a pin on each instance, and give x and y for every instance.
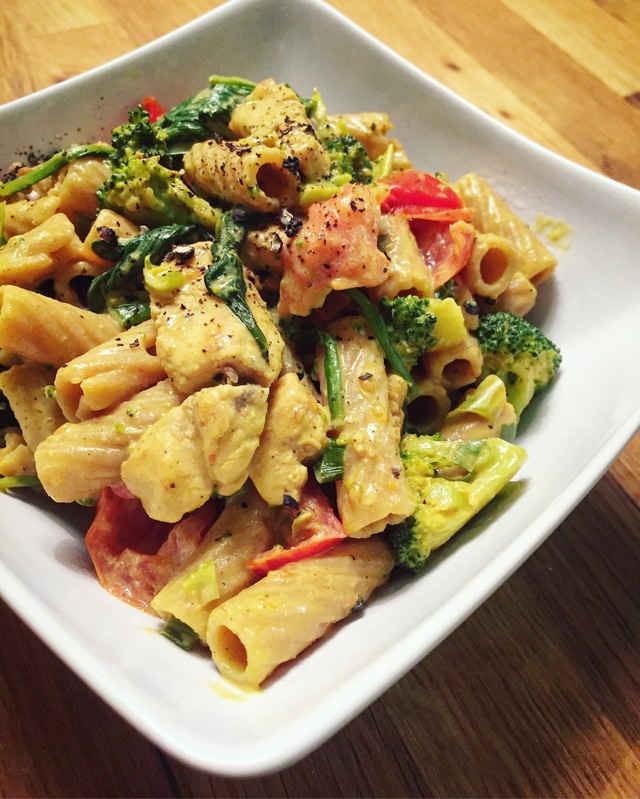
(590, 310)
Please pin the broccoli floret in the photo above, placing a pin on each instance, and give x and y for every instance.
(138, 136)
(411, 324)
(149, 194)
(450, 481)
(349, 157)
(519, 354)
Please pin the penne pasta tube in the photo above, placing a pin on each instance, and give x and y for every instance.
(28, 259)
(44, 330)
(219, 567)
(491, 266)
(455, 366)
(491, 214)
(273, 114)
(26, 388)
(275, 619)
(428, 406)
(372, 492)
(80, 459)
(239, 173)
(110, 373)
(519, 297)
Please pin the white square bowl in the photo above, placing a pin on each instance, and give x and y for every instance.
(590, 310)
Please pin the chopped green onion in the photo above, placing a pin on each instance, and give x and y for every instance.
(333, 377)
(3, 208)
(179, 633)
(330, 466)
(19, 481)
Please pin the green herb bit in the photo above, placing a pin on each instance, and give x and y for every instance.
(179, 633)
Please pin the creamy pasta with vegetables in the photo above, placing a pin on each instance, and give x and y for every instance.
(279, 360)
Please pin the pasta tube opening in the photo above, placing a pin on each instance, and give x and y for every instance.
(275, 182)
(493, 265)
(232, 653)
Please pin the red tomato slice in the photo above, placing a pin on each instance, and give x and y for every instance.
(418, 194)
(135, 556)
(445, 247)
(153, 107)
(316, 528)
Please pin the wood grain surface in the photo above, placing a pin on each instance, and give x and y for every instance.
(538, 693)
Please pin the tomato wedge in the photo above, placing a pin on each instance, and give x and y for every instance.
(419, 195)
(445, 246)
(315, 529)
(153, 108)
(135, 556)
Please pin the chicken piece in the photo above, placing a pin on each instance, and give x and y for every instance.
(201, 342)
(205, 443)
(294, 433)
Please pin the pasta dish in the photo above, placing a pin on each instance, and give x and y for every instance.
(280, 361)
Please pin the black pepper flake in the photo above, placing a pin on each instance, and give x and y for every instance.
(108, 234)
(365, 376)
(471, 308)
(180, 255)
(292, 164)
(289, 502)
(291, 223)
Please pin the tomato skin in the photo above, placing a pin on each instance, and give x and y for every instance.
(417, 194)
(445, 246)
(135, 556)
(316, 529)
(153, 108)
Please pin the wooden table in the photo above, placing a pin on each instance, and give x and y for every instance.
(538, 693)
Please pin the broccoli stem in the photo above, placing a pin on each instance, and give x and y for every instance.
(53, 165)
(225, 277)
(380, 331)
(333, 377)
